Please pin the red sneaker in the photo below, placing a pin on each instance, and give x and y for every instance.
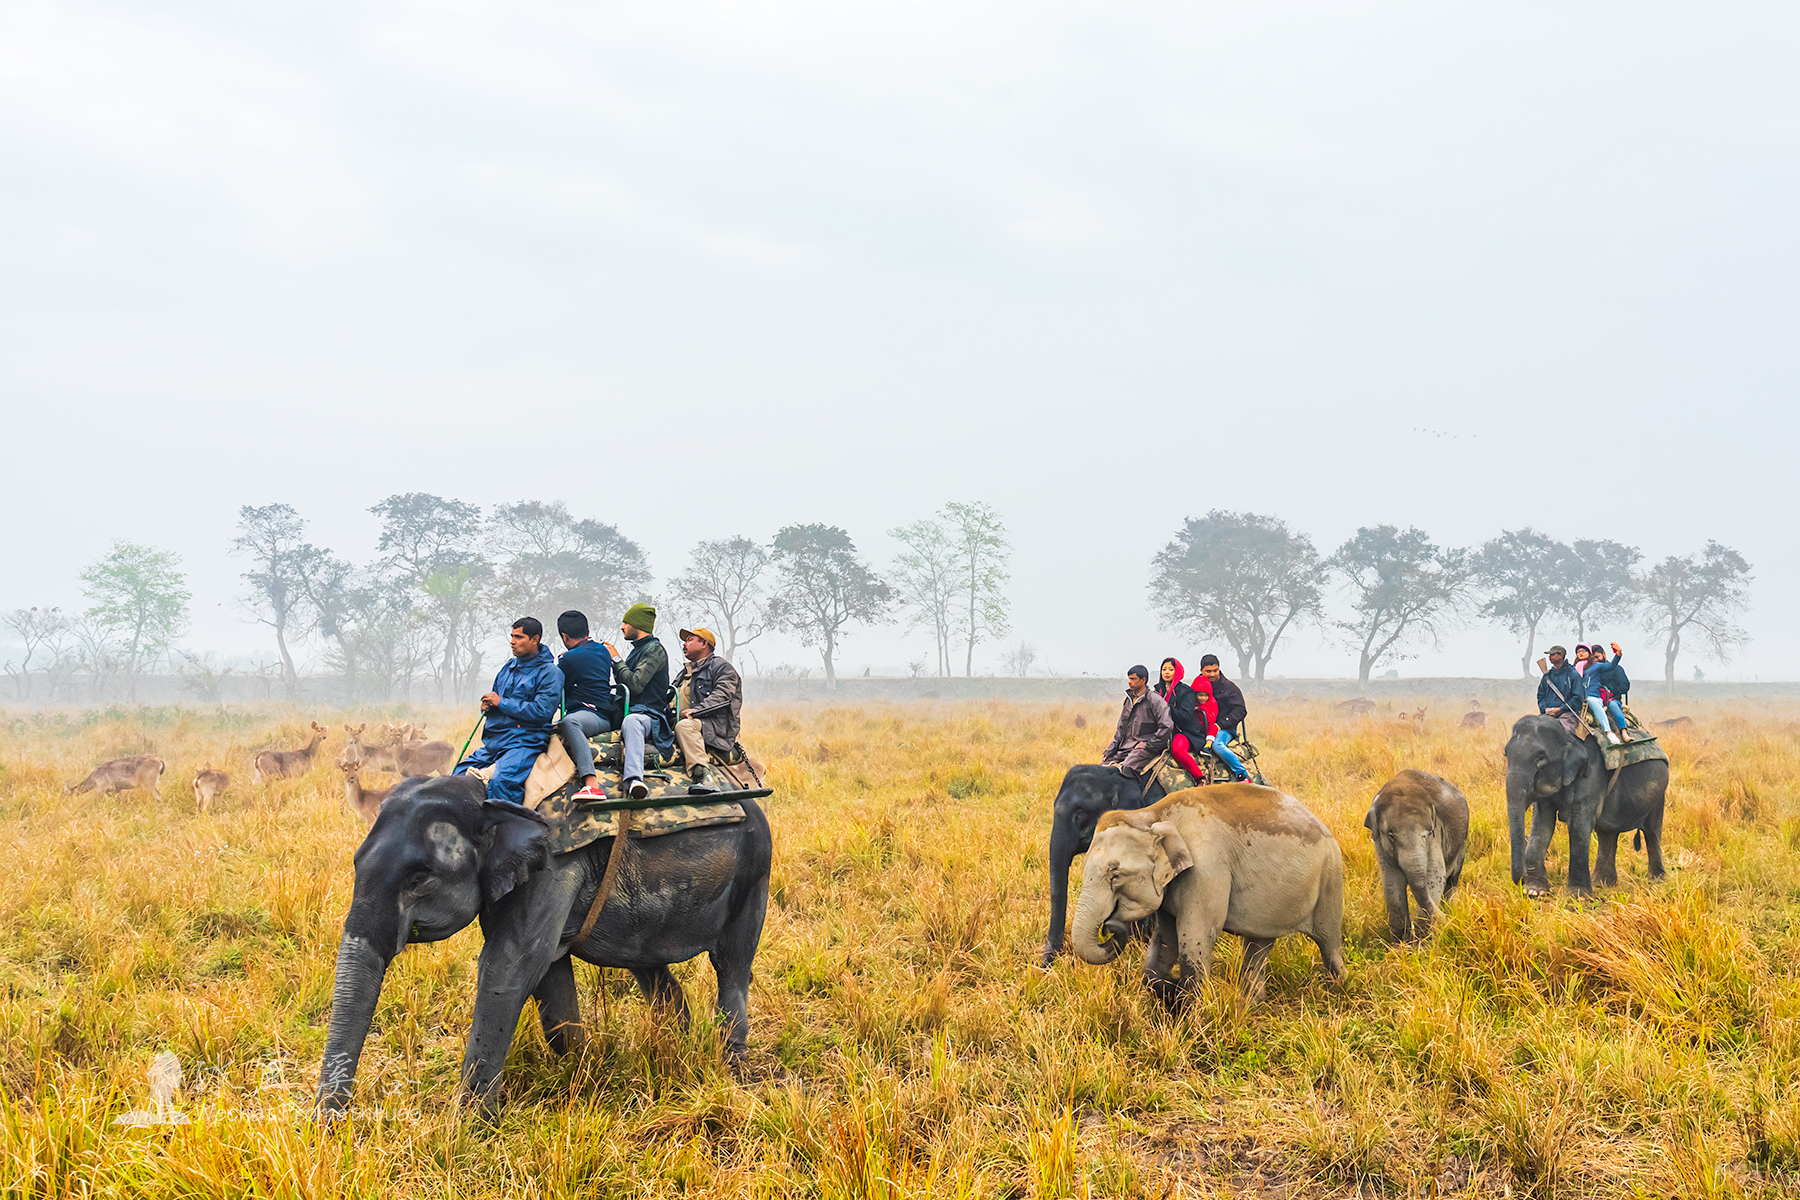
(589, 793)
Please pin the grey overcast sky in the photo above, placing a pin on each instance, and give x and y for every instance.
(702, 268)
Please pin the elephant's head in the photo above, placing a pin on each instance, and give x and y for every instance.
(1130, 863)
(438, 853)
(1542, 760)
(1406, 829)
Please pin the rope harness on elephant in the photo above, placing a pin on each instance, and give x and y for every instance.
(613, 859)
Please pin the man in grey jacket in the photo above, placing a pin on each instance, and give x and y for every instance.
(712, 702)
(1145, 726)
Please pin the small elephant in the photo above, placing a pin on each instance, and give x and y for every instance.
(1234, 858)
(1420, 826)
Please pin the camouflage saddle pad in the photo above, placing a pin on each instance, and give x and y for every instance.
(1642, 747)
(573, 826)
(1174, 777)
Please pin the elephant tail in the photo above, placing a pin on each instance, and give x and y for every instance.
(1637, 839)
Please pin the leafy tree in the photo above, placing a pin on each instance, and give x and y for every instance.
(978, 537)
(823, 586)
(1238, 576)
(546, 559)
(140, 596)
(1401, 585)
(431, 547)
(927, 583)
(281, 560)
(1525, 572)
(38, 629)
(1698, 592)
(1599, 581)
(723, 580)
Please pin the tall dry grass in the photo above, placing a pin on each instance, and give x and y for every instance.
(902, 1044)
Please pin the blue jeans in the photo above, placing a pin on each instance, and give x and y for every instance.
(1221, 746)
(576, 728)
(511, 765)
(1600, 714)
(637, 725)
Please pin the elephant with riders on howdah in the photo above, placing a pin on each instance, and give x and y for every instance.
(440, 856)
(1556, 774)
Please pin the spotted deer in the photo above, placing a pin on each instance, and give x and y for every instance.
(208, 786)
(122, 774)
(374, 755)
(285, 764)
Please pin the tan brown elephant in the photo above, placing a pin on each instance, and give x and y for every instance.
(1233, 858)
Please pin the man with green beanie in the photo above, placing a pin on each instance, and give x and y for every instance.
(644, 674)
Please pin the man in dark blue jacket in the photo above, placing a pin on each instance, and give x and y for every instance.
(1560, 691)
(521, 712)
(590, 706)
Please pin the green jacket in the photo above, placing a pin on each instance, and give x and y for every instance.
(644, 674)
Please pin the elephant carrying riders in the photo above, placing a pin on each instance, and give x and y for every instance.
(644, 674)
(520, 714)
(1145, 726)
(712, 700)
(1192, 713)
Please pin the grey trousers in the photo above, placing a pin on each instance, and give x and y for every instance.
(576, 729)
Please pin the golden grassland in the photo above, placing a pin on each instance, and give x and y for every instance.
(903, 1043)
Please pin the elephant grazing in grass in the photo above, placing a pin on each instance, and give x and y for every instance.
(1232, 858)
(1556, 774)
(440, 855)
(1420, 825)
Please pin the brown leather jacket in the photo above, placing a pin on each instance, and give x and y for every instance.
(715, 696)
(1145, 728)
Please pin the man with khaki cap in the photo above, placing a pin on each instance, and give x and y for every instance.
(712, 702)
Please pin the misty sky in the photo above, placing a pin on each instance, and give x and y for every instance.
(704, 269)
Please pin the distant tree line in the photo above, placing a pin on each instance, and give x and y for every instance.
(1247, 580)
(418, 618)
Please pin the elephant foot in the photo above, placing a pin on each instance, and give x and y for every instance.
(1536, 890)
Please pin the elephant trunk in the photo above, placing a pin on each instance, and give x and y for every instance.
(1423, 863)
(360, 972)
(1092, 911)
(1062, 853)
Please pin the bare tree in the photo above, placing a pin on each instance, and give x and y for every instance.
(273, 537)
(38, 629)
(1401, 586)
(1238, 576)
(1699, 592)
(546, 558)
(1526, 572)
(1018, 661)
(723, 580)
(823, 587)
(926, 582)
(979, 539)
(1599, 581)
(431, 545)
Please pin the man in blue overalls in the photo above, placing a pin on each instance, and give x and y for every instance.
(521, 714)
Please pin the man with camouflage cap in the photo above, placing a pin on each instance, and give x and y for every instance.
(712, 702)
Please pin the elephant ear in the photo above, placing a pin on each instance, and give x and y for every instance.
(1174, 857)
(1369, 821)
(515, 844)
(1574, 762)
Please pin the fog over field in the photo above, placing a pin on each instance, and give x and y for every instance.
(703, 270)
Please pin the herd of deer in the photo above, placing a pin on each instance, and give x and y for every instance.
(1362, 706)
(405, 752)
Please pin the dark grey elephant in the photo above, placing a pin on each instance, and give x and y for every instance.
(1556, 774)
(1420, 825)
(440, 856)
(1086, 792)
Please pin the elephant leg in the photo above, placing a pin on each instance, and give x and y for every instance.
(1393, 890)
(1199, 919)
(1543, 826)
(1653, 842)
(559, 1007)
(661, 990)
(1160, 959)
(732, 959)
(1254, 978)
(1581, 842)
(1606, 866)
